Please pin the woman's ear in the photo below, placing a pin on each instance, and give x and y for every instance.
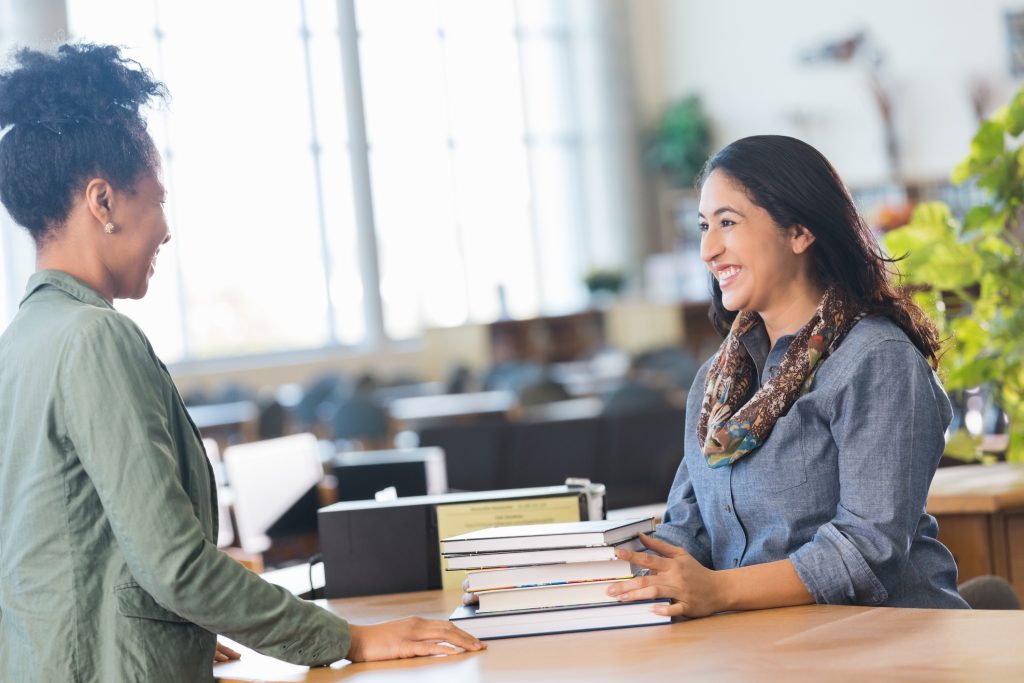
(800, 238)
(98, 199)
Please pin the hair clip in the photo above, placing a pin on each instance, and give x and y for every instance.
(52, 124)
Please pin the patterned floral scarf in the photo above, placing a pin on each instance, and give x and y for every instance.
(728, 428)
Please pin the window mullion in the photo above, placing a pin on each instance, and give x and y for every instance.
(362, 191)
(325, 250)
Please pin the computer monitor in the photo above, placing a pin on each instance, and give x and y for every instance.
(411, 471)
(273, 485)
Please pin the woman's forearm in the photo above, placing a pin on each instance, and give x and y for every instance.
(760, 586)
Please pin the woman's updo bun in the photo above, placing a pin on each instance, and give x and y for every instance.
(72, 114)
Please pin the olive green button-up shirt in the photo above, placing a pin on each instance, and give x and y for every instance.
(108, 564)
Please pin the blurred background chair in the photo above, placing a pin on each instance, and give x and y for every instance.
(359, 418)
(634, 397)
(274, 488)
(989, 592)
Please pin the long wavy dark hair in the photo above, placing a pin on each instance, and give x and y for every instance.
(797, 185)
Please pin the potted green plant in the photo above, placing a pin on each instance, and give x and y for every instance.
(968, 274)
(681, 143)
(604, 280)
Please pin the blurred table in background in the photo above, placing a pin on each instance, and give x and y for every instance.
(980, 509)
(227, 423)
(420, 410)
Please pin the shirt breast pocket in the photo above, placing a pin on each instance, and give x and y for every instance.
(133, 601)
(784, 465)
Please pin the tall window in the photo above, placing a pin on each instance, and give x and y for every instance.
(5, 314)
(256, 168)
(478, 147)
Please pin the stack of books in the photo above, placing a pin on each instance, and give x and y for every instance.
(548, 578)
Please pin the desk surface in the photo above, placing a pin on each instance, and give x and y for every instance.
(814, 643)
(452, 405)
(966, 489)
(221, 415)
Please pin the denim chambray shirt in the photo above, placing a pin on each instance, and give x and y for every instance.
(839, 487)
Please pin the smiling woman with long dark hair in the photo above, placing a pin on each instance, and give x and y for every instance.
(108, 564)
(813, 433)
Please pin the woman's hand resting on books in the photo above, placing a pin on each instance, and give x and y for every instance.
(411, 637)
(693, 587)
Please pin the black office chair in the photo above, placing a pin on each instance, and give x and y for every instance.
(272, 421)
(666, 368)
(233, 392)
(633, 397)
(360, 418)
(545, 391)
(322, 390)
(989, 592)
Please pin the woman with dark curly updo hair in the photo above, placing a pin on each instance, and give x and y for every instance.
(108, 565)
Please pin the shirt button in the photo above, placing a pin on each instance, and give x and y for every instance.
(728, 508)
(735, 562)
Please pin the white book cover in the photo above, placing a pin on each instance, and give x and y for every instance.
(543, 536)
(521, 558)
(557, 620)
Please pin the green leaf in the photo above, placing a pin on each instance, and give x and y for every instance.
(1000, 115)
(989, 142)
(948, 265)
(963, 446)
(929, 300)
(932, 213)
(1014, 118)
(963, 171)
(962, 373)
(971, 337)
(1015, 453)
(911, 238)
(987, 305)
(1000, 177)
(990, 244)
(986, 219)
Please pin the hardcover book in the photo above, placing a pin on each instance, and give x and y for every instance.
(542, 536)
(557, 620)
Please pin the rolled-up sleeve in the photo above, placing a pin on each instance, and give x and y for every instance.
(887, 421)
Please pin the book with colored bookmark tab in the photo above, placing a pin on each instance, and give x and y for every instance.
(547, 575)
(557, 619)
(523, 558)
(544, 536)
(537, 597)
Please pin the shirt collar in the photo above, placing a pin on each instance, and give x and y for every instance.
(755, 341)
(758, 345)
(67, 284)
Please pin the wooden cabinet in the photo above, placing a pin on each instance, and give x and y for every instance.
(629, 325)
(980, 510)
(551, 339)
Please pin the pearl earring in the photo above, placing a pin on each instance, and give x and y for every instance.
(109, 228)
